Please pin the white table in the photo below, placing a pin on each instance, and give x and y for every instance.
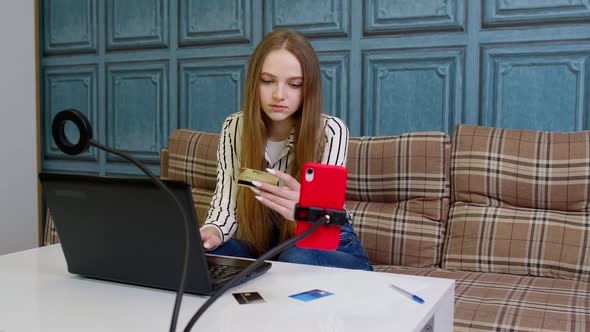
(38, 294)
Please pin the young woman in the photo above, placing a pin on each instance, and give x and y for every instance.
(281, 127)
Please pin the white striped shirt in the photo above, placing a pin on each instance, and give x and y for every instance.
(222, 212)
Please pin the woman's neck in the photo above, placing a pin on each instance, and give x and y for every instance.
(280, 130)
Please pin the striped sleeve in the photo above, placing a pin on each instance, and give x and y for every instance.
(336, 149)
(222, 211)
(336, 135)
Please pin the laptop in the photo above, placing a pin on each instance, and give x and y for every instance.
(128, 230)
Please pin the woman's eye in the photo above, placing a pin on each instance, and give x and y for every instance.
(265, 81)
(296, 85)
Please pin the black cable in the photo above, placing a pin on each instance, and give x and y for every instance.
(162, 186)
(231, 283)
(271, 253)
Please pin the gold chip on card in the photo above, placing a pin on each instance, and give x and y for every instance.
(247, 175)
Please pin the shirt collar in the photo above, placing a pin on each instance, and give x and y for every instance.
(289, 147)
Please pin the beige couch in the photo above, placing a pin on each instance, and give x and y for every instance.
(506, 213)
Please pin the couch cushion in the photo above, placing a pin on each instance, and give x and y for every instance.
(391, 234)
(521, 203)
(522, 168)
(398, 191)
(518, 241)
(192, 158)
(498, 302)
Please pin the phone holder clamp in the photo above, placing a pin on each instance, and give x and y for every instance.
(311, 214)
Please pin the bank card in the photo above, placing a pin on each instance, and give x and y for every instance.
(247, 175)
(311, 295)
(248, 297)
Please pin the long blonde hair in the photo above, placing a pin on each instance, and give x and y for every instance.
(255, 225)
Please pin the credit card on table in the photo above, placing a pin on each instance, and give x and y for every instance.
(248, 297)
(247, 175)
(311, 295)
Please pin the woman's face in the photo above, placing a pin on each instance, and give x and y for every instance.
(281, 85)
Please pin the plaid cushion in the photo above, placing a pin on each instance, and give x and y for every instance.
(398, 191)
(518, 241)
(501, 302)
(525, 168)
(192, 158)
(391, 234)
(521, 203)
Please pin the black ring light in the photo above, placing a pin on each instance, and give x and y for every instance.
(59, 134)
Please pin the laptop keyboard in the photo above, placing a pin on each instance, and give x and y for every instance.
(217, 271)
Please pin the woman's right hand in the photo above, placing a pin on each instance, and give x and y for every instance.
(210, 238)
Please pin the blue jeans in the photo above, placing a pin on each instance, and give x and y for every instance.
(349, 254)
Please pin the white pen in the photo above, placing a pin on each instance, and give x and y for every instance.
(408, 294)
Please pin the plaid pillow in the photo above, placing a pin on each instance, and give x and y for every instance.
(525, 168)
(518, 241)
(398, 191)
(521, 203)
(390, 234)
(192, 158)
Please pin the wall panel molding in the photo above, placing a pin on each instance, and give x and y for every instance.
(329, 18)
(334, 71)
(412, 90)
(204, 22)
(137, 110)
(390, 17)
(69, 26)
(137, 24)
(526, 12)
(211, 89)
(527, 86)
(65, 88)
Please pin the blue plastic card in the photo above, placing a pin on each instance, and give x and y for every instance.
(311, 295)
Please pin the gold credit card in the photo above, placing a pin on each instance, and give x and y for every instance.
(247, 175)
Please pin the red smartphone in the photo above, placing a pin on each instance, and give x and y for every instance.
(322, 186)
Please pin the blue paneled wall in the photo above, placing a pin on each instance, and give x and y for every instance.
(141, 68)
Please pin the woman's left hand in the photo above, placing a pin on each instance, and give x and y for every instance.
(281, 199)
